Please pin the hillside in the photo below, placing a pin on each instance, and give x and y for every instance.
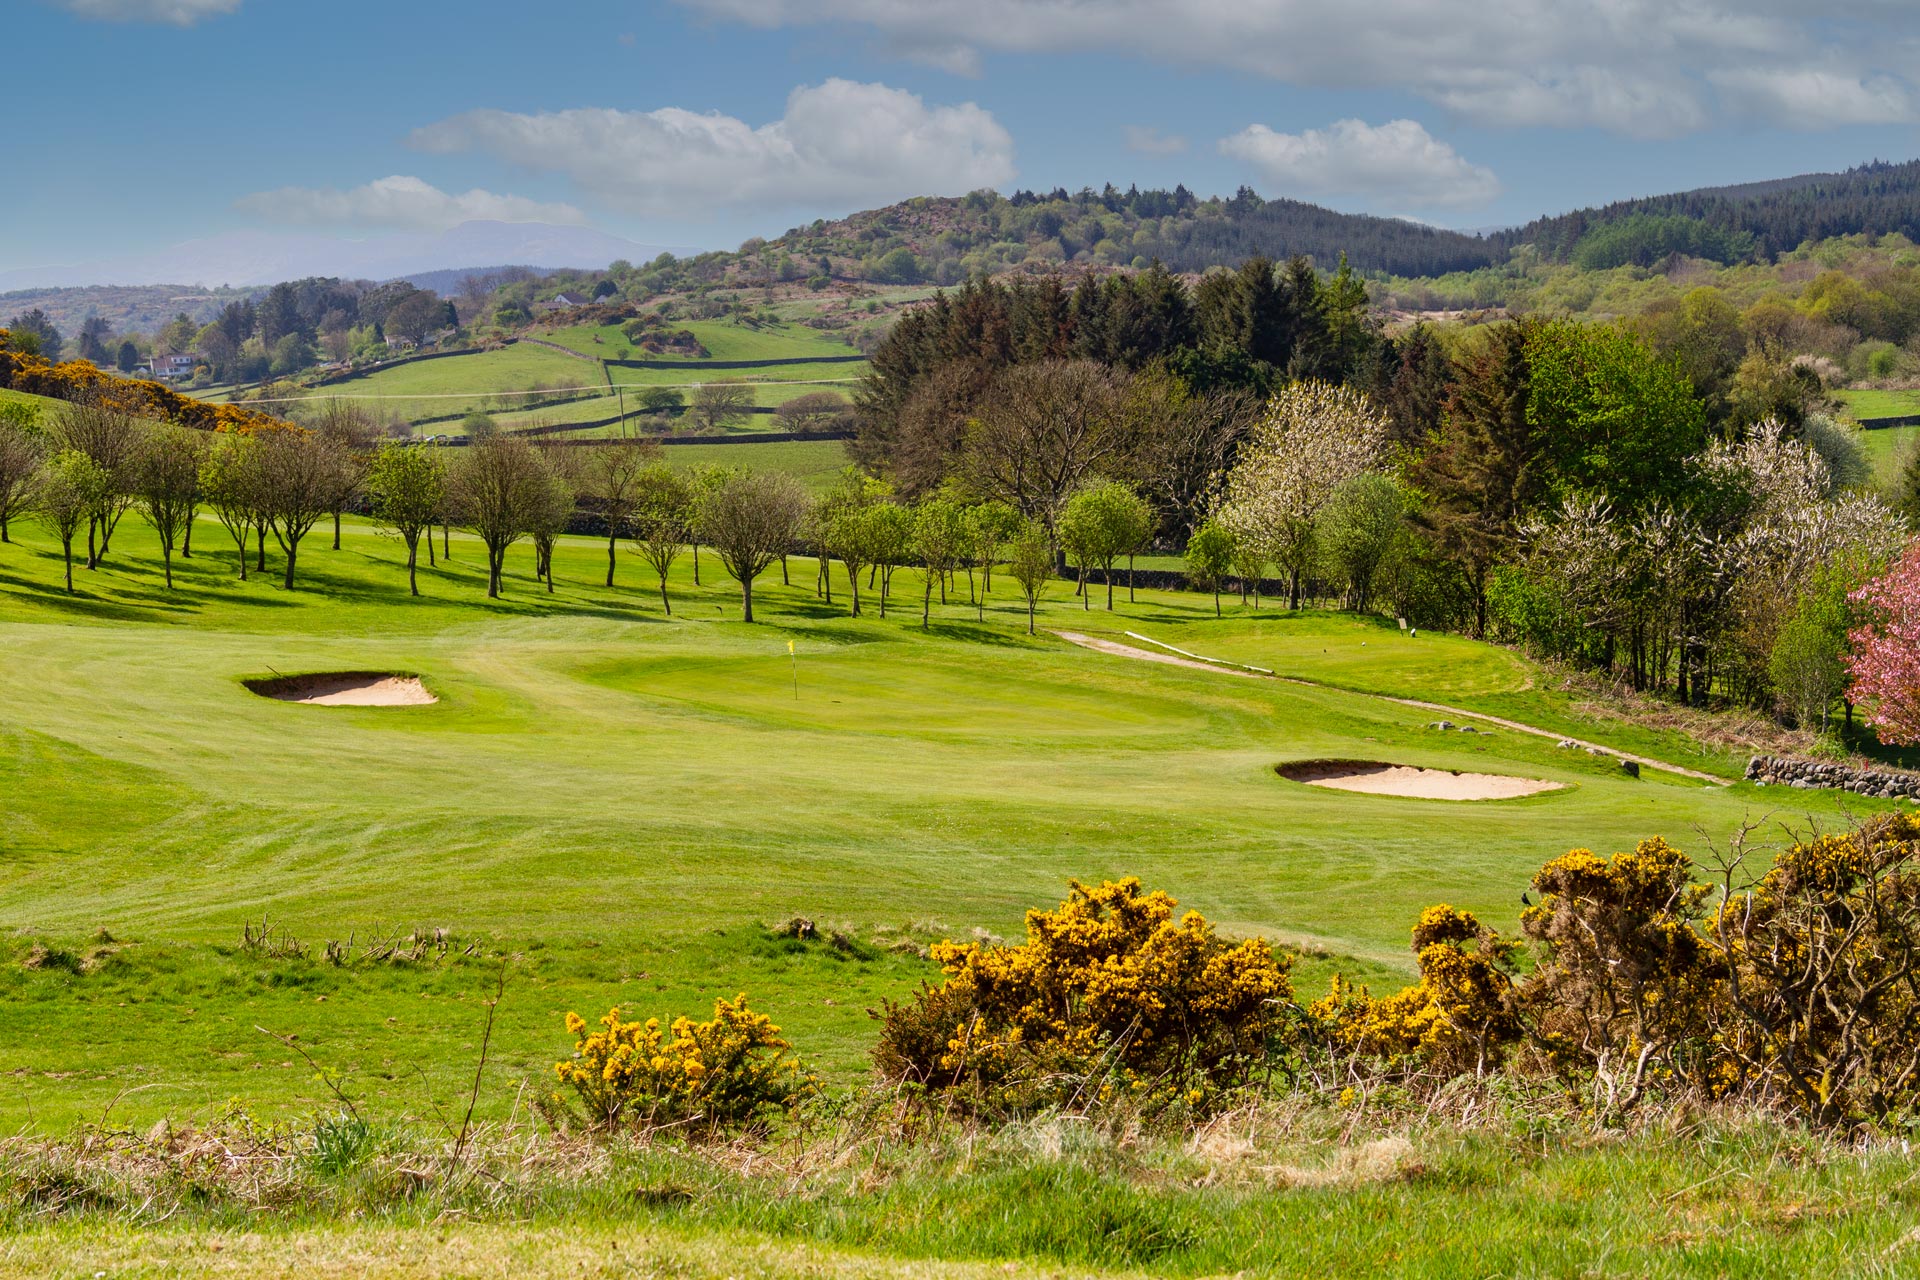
(1756, 219)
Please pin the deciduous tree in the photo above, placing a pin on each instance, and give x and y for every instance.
(493, 488)
(662, 520)
(297, 474)
(940, 537)
(612, 480)
(230, 479)
(1885, 664)
(751, 520)
(1315, 437)
(1031, 564)
(167, 486)
(719, 405)
(1043, 432)
(1210, 559)
(407, 486)
(68, 492)
(22, 449)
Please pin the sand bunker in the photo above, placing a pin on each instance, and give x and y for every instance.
(347, 689)
(1379, 779)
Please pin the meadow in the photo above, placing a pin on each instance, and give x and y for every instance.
(723, 339)
(435, 393)
(613, 806)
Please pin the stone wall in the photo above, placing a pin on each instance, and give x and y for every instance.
(1810, 775)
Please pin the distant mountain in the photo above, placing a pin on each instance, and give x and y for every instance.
(447, 283)
(266, 257)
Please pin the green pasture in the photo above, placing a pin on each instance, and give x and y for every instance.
(620, 801)
(42, 403)
(1889, 449)
(765, 394)
(723, 339)
(1869, 403)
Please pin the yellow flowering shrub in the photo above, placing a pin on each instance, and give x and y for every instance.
(1109, 984)
(1626, 982)
(1800, 987)
(1458, 1018)
(727, 1072)
(1822, 1005)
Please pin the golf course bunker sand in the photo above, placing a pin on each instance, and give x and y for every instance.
(347, 689)
(1375, 778)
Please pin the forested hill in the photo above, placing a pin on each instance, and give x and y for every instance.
(1726, 224)
(945, 240)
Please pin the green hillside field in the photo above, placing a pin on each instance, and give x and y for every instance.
(436, 392)
(723, 339)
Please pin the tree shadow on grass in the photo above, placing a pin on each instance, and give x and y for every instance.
(81, 602)
(982, 633)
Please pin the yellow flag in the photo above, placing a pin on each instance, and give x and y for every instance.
(789, 646)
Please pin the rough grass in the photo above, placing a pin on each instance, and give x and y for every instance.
(619, 802)
(1275, 1190)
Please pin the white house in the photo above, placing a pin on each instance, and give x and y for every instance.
(176, 367)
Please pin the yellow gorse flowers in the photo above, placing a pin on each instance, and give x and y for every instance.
(726, 1071)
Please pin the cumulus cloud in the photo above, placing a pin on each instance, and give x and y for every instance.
(399, 202)
(838, 143)
(1642, 67)
(1398, 162)
(1148, 141)
(181, 13)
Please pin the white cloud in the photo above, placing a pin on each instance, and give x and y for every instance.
(839, 143)
(1816, 99)
(1652, 68)
(181, 13)
(1148, 141)
(1397, 162)
(399, 202)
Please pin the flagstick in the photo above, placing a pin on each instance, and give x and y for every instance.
(795, 659)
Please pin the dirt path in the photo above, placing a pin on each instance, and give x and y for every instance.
(1179, 658)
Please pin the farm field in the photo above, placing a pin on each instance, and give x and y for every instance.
(623, 802)
(488, 382)
(723, 339)
(1867, 402)
(1889, 448)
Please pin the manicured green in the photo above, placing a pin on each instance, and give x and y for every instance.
(620, 801)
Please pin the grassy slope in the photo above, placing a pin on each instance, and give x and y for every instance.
(723, 339)
(620, 798)
(42, 403)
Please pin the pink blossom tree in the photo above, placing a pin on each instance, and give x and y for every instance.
(1885, 664)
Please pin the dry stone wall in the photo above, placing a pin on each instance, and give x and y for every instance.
(1809, 775)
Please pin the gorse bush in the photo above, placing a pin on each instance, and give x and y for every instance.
(1798, 988)
(1109, 992)
(1457, 1018)
(727, 1072)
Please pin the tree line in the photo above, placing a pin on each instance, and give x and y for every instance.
(1684, 524)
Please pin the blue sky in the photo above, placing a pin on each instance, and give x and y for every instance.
(141, 123)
